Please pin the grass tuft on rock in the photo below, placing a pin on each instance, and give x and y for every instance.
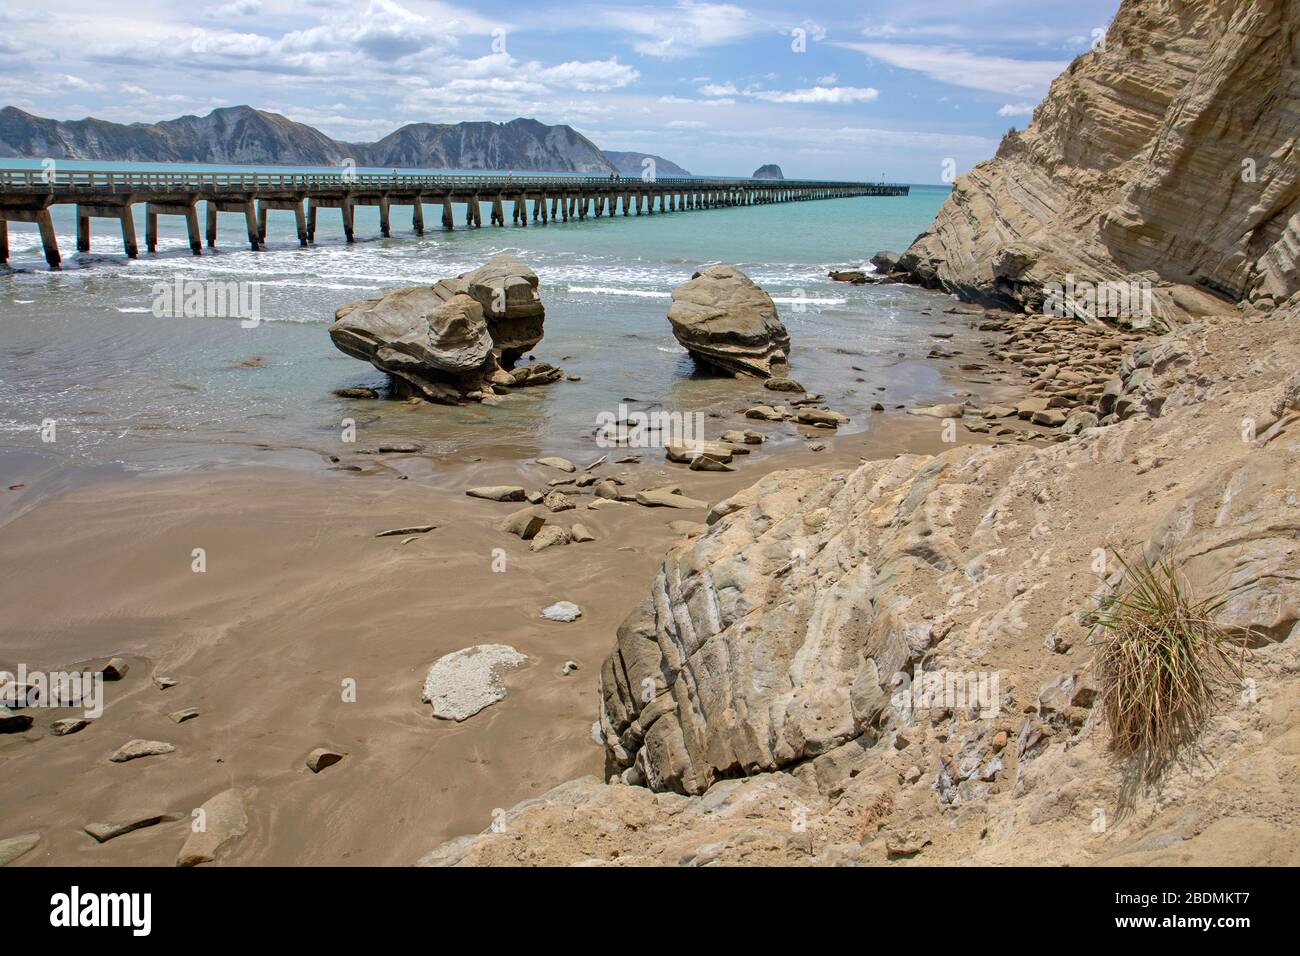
(1162, 661)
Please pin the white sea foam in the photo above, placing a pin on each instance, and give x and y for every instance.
(608, 290)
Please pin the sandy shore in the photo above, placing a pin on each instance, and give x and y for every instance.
(300, 598)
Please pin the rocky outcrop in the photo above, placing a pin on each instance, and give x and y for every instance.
(871, 651)
(729, 324)
(1168, 154)
(768, 171)
(452, 341)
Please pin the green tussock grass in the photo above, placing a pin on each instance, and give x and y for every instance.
(1162, 662)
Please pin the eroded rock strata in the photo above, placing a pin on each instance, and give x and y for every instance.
(1167, 155)
(773, 698)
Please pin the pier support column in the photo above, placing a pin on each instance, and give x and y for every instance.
(385, 225)
(212, 224)
(417, 216)
(294, 206)
(191, 214)
(349, 220)
(498, 215)
(122, 214)
(448, 214)
(41, 218)
(129, 245)
(250, 220)
(49, 242)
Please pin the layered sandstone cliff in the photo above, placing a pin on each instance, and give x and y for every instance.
(890, 663)
(1168, 154)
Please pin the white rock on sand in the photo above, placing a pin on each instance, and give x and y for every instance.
(563, 611)
(464, 682)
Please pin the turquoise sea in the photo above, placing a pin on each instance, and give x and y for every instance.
(82, 346)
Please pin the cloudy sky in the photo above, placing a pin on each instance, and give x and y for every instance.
(843, 90)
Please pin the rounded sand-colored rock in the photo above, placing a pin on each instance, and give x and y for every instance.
(729, 324)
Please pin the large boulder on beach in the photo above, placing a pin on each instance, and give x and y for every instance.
(507, 291)
(449, 342)
(729, 324)
(435, 347)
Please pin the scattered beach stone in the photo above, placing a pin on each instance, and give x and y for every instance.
(163, 681)
(462, 683)
(563, 611)
(709, 463)
(414, 529)
(534, 497)
(115, 669)
(629, 460)
(134, 749)
(356, 392)
(180, 716)
(11, 723)
(998, 411)
(103, 832)
(497, 492)
(569, 667)
(668, 497)
(563, 464)
(224, 819)
(821, 418)
(764, 412)
(550, 536)
(1051, 417)
(601, 503)
(14, 847)
(580, 534)
(728, 324)
(523, 524)
(323, 757)
(817, 446)
(948, 410)
(398, 448)
(782, 385)
(558, 501)
(68, 725)
(746, 437)
(689, 452)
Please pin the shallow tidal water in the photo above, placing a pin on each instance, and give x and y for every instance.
(83, 347)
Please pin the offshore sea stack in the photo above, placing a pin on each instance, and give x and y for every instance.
(1169, 154)
(454, 341)
(729, 324)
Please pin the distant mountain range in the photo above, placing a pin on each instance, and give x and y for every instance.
(633, 164)
(243, 135)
